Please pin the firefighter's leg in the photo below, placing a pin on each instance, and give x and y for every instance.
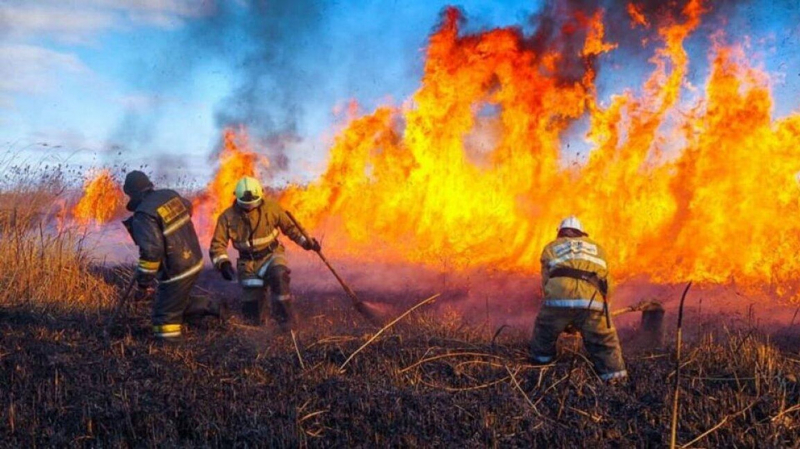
(278, 278)
(602, 344)
(253, 301)
(198, 307)
(549, 324)
(171, 301)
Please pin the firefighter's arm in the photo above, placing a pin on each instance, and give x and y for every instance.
(219, 243)
(147, 236)
(288, 227)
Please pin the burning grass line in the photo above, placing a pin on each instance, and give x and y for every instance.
(384, 328)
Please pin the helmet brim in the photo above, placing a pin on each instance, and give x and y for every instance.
(252, 204)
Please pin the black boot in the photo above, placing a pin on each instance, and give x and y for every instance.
(251, 311)
(282, 312)
(220, 310)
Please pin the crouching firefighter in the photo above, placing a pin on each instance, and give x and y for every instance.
(575, 283)
(170, 257)
(253, 224)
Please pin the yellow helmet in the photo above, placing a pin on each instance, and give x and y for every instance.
(248, 192)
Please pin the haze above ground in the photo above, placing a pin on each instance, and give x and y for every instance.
(152, 83)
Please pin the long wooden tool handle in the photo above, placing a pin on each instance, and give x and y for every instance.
(344, 285)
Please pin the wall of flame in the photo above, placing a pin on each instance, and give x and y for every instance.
(708, 192)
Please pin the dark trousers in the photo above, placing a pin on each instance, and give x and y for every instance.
(254, 300)
(600, 341)
(173, 304)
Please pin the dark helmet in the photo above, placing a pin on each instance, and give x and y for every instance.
(136, 185)
(136, 182)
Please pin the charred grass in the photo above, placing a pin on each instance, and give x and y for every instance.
(432, 380)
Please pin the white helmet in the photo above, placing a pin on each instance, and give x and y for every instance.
(571, 222)
(248, 192)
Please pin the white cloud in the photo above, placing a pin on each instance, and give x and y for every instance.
(65, 24)
(33, 70)
(79, 22)
(140, 102)
(28, 65)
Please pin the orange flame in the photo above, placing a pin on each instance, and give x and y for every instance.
(101, 198)
(236, 159)
(708, 195)
(637, 17)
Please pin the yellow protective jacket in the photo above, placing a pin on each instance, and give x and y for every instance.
(254, 234)
(579, 253)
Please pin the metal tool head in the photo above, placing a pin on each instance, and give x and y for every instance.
(374, 313)
(652, 324)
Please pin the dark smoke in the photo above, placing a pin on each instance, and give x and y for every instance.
(283, 67)
(279, 54)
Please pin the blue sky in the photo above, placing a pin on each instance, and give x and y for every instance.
(150, 82)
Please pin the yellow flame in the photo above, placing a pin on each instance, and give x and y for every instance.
(101, 198)
(709, 195)
(236, 159)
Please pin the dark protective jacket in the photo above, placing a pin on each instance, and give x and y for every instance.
(161, 226)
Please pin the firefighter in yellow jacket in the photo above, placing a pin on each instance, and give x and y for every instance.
(575, 283)
(253, 224)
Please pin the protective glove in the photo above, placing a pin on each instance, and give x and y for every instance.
(311, 245)
(226, 268)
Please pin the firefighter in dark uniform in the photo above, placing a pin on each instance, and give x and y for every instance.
(170, 257)
(253, 224)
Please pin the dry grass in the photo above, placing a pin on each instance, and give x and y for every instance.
(41, 265)
(432, 380)
(428, 382)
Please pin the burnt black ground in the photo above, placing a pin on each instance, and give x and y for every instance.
(235, 385)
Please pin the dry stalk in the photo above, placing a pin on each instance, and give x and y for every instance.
(519, 388)
(676, 393)
(448, 355)
(720, 424)
(462, 389)
(384, 328)
(297, 351)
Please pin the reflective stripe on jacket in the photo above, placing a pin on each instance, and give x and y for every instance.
(580, 253)
(253, 232)
(161, 226)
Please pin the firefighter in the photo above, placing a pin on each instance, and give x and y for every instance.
(575, 283)
(253, 224)
(170, 256)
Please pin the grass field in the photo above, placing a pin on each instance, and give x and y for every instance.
(433, 380)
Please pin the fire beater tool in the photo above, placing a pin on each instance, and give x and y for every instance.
(369, 311)
(652, 324)
(120, 305)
